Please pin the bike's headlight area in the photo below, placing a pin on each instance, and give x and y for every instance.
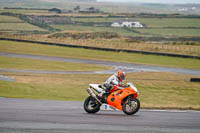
(133, 87)
(136, 90)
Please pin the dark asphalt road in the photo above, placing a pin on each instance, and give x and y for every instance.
(127, 67)
(43, 116)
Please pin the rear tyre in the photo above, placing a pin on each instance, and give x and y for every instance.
(131, 107)
(91, 105)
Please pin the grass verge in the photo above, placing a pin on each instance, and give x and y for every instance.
(36, 64)
(185, 48)
(157, 90)
(30, 48)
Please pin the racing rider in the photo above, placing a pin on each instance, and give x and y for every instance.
(116, 79)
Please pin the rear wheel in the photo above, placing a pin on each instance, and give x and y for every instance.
(131, 106)
(91, 105)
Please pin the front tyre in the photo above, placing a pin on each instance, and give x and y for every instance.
(131, 106)
(91, 105)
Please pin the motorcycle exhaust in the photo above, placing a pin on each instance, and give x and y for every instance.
(93, 95)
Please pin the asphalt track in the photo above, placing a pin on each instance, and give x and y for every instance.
(127, 67)
(44, 116)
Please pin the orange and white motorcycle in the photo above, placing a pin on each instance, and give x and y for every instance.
(118, 98)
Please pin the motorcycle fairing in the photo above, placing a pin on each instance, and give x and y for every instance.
(96, 87)
(115, 98)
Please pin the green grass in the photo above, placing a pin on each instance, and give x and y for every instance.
(54, 87)
(29, 48)
(170, 22)
(22, 11)
(157, 29)
(96, 20)
(5, 19)
(12, 24)
(166, 90)
(150, 22)
(120, 31)
(170, 32)
(177, 23)
(19, 27)
(157, 90)
(36, 64)
(49, 91)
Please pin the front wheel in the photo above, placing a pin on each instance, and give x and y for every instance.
(91, 105)
(131, 106)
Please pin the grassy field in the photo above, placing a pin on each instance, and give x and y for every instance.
(97, 20)
(118, 43)
(120, 31)
(19, 27)
(157, 90)
(47, 13)
(29, 48)
(164, 27)
(150, 22)
(171, 27)
(36, 64)
(22, 11)
(170, 32)
(9, 19)
(170, 22)
(14, 24)
(155, 32)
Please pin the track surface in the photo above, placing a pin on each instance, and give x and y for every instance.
(127, 67)
(20, 115)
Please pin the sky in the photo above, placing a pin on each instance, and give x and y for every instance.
(155, 1)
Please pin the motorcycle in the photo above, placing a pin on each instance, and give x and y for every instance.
(121, 98)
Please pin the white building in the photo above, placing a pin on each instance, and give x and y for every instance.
(194, 8)
(183, 10)
(126, 23)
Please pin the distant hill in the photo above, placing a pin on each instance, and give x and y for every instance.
(106, 7)
(17, 3)
(41, 3)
